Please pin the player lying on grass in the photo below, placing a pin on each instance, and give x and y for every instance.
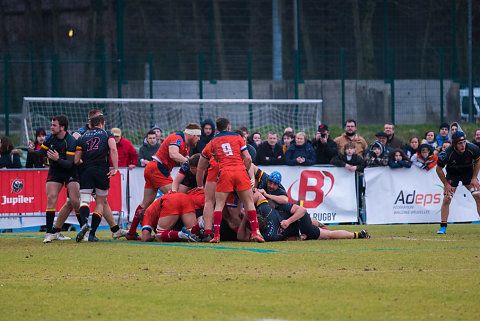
(291, 220)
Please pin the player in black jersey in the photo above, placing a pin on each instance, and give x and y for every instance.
(67, 208)
(185, 179)
(59, 147)
(461, 162)
(93, 150)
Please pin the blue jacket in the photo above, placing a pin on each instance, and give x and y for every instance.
(306, 150)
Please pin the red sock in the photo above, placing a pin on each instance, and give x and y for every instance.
(168, 236)
(217, 220)
(135, 221)
(208, 232)
(196, 229)
(252, 217)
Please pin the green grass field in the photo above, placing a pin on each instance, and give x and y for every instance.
(404, 272)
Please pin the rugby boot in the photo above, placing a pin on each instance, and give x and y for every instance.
(120, 233)
(215, 239)
(186, 235)
(82, 232)
(92, 238)
(49, 237)
(442, 230)
(61, 237)
(132, 237)
(363, 234)
(257, 237)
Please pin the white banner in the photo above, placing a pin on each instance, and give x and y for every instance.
(329, 193)
(412, 195)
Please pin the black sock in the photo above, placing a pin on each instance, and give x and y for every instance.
(50, 216)
(114, 228)
(77, 214)
(84, 213)
(56, 230)
(443, 224)
(96, 219)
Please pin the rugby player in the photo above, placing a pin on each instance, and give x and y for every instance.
(93, 149)
(174, 149)
(230, 151)
(59, 147)
(461, 161)
(164, 212)
(67, 208)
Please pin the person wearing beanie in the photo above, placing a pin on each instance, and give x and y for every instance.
(158, 133)
(442, 134)
(208, 131)
(34, 161)
(148, 149)
(377, 155)
(462, 163)
(127, 154)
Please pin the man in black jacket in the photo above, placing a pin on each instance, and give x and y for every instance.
(325, 147)
(269, 152)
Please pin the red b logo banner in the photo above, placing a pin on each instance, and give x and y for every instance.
(312, 183)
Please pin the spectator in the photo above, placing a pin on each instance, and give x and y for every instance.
(377, 156)
(287, 139)
(127, 154)
(251, 150)
(148, 149)
(430, 139)
(349, 159)
(442, 134)
(301, 152)
(392, 141)
(476, 139)
(208, 131)
(287, 130)
(444, 146)
(325, 147)
(9, 157)
(454, 127)
(270, 152)
(411, 148)
(255, 139)
(158, 133)
(398, 159)
(350, 135)
(425, 158)
(34, 161)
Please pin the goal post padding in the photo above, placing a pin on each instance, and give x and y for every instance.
(136, 116)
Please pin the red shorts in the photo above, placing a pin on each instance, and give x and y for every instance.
(212, 174)
(156, 175)
(176, 204)
(233, 180)
(198, 198)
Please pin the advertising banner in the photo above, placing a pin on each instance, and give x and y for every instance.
(23, 199)
(412, 195)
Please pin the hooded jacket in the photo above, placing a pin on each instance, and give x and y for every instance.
(425, 163)
(306, 150)
(204, 139)
(146, 152)
(372, 160)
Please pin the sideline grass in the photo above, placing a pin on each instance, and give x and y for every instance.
(405, 272)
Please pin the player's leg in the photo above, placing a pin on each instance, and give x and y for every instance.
(164, 232)
(72, 202)
(149, 195)
(445, 210)
(52, 190)
(117, 232)
(189, 220)
(476, 196)
(246, 196)
(220, 199)
(209, 206)
(101, 199)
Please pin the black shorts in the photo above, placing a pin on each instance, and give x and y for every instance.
(306, 227)
(94, 177)
(455, 179)
(62, 177)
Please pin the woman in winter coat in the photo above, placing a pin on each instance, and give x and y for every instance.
(9, 158)
(300, 153)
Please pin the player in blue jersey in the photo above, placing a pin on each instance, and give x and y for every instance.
(93, 150)
(461, 162)
(59, 147)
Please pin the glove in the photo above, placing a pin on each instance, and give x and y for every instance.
(185, 166)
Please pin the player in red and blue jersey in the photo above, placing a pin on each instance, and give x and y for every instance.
(230, 151)
(174, 149)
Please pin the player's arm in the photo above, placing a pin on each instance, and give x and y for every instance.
(279, 199)
(247, 160)
(177, 180)
(112, 146)
(147, 235)
(447, 188)
(201, 169)
(476, 169)
(297, 213)
(78, 156)
(243, 233)
(174, 153)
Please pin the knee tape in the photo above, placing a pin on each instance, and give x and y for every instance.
(85, 199)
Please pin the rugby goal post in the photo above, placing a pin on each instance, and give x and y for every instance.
(136, 116)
